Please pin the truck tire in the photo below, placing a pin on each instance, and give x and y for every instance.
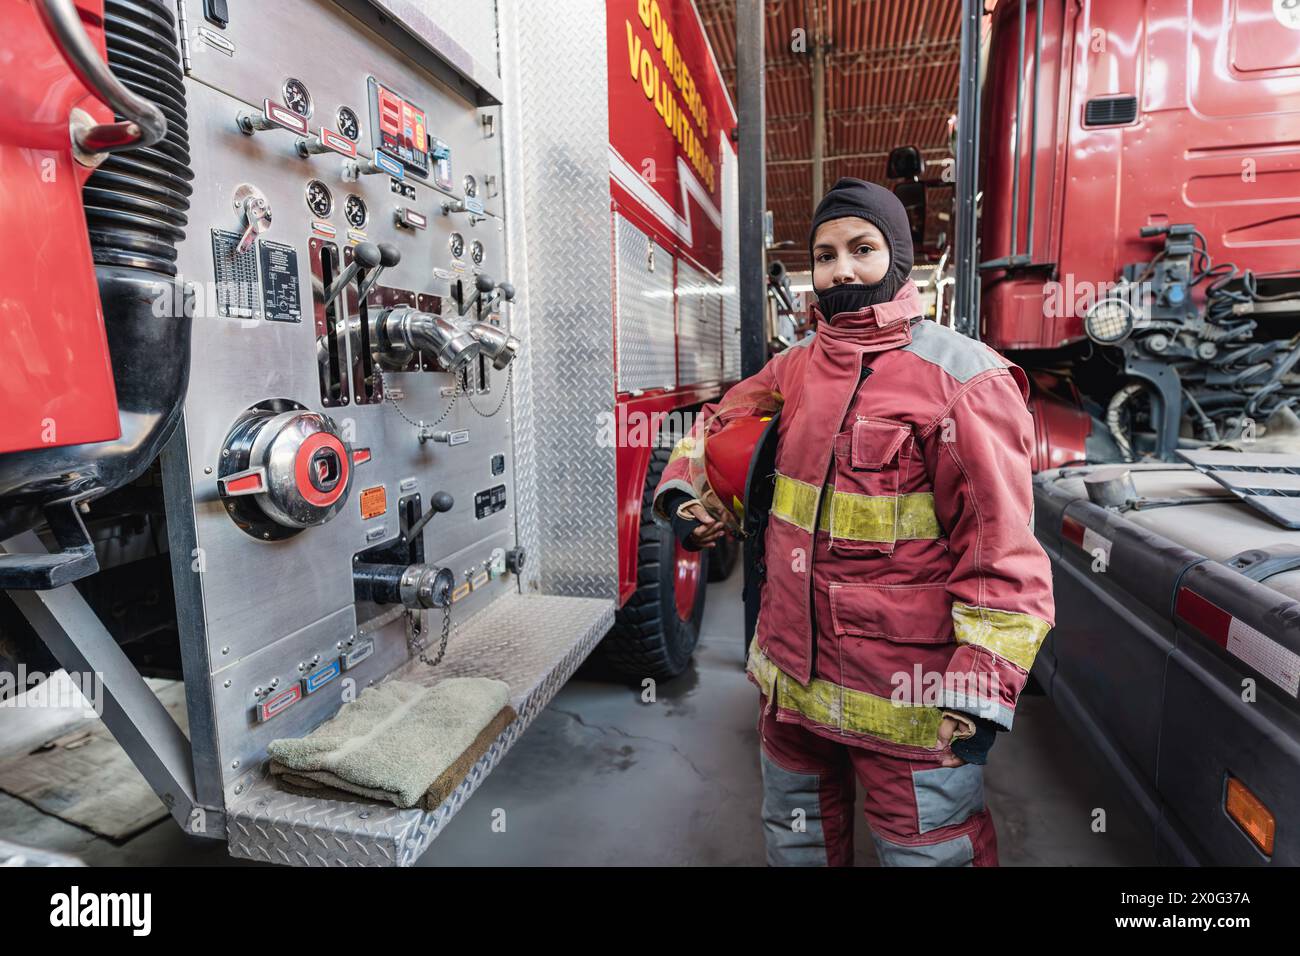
(722, 559)
(655, 632)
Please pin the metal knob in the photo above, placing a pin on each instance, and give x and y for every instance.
(389, 256)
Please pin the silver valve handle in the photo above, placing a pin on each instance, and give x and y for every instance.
(505, 292)
(364, 167)
(326, 141)
(271, 116)
(312, 147)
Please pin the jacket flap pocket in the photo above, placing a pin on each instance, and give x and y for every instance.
(876, 442)
(907, 613)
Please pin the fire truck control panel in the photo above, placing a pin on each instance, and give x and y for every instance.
(348, 405)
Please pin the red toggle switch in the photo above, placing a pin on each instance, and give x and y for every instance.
(250, 482)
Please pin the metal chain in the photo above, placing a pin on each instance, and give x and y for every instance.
(442, 646)
(455, 396)
(505, 390)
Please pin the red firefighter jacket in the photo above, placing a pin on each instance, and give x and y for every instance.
(903, 575)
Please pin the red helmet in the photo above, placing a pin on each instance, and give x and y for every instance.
(728, 455)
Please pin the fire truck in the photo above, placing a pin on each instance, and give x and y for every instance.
(1120, 215)
(1138, 253)
(347, 340)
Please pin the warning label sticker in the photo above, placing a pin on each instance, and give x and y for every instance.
(374, 502)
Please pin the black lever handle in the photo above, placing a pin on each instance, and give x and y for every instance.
(366, 255)
(440, 501)
(389, 255)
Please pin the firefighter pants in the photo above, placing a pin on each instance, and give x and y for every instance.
(920, 814)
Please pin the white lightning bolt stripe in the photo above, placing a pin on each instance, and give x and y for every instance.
(626, 175)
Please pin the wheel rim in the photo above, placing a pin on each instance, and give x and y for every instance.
(686, 581)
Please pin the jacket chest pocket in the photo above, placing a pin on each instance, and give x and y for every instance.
(905, 613)
(861, 512)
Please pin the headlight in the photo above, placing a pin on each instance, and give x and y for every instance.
(1110, 321)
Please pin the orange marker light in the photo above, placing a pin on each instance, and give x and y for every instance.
(1251, 815)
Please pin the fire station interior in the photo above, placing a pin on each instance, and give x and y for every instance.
(340, 340)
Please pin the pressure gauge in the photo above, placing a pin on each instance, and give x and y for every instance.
(355, 211)
(457, 243)
(296, 97)
(349, 125)
(476, 252)
(319, 198)
(471, 187)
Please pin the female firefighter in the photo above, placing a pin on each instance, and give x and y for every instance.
(904, 594)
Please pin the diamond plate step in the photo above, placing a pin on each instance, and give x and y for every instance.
(532, 642)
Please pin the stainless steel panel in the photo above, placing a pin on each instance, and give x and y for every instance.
(331, 54)
(471, 25)
(555, 126)
(464, 34)
(699, 326)
(240, 363)
(647, 347)
(254, 610)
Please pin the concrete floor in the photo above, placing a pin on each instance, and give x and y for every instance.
(603, 779)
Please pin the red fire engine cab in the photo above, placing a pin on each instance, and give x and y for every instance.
(1139, 254)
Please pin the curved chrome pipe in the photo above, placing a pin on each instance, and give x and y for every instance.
(143, 124)
(405, 329)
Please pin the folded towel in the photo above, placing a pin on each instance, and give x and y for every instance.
(398, 742)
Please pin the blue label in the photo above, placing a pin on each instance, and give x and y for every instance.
(320, 677)
(390, 165)
(474, 204)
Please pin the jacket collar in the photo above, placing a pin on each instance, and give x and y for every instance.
(882, 326)
(905, 304)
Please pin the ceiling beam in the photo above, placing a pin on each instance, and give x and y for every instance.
(880, 154)
(868, 113)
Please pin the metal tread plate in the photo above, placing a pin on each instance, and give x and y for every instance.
(647, 348)
(533, 642)
(1269, 483)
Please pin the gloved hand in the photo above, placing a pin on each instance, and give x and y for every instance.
(970, 737)
(692, 524)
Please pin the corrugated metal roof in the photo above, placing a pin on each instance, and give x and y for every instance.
(891, 80)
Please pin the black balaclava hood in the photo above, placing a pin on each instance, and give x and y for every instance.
(879, 206)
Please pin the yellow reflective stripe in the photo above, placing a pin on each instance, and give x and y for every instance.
(873, 518)
(857, 517)
(795, 501)
(842, 708)
(916, 517)
(1009, 634)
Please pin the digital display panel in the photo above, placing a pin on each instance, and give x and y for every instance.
(400, 128)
